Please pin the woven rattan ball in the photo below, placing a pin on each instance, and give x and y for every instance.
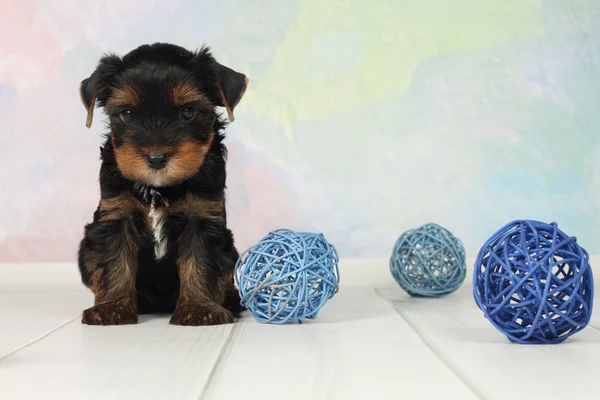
(428, 261)
(287, 276)
(534, 283)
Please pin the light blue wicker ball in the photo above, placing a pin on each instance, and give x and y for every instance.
(287, 276)
(428, 261)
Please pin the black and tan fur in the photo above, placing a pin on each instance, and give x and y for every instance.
(159, 241)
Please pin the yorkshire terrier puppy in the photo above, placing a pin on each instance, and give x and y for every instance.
(159, 241)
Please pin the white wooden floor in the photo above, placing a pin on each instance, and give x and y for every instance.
(372, 341)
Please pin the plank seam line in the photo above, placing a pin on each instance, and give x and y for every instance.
(437, 352)
(219, 361)
(39, 339)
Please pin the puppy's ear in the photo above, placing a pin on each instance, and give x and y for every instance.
(97, 86)
(232, 86)
(88, 92)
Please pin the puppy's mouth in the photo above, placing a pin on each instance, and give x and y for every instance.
(161, 166)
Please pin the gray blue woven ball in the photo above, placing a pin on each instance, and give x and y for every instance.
(428, 261)
(534, 283)
(287, 276)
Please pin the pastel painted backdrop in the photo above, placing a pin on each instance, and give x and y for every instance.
(363, 118)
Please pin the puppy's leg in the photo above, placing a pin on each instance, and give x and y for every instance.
(108, 257)
(202, 274)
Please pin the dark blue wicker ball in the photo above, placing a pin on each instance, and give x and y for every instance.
(534, 283)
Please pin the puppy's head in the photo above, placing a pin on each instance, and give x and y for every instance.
(161, 102)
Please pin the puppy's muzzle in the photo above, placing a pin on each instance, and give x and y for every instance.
(157, 160)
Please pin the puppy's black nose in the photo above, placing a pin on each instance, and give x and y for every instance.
(157, 160)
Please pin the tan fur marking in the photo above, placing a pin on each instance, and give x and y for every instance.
(227, 106)
(120, 207)
(199, 207)
(122, 274)
(95, 283)
(131, 162)
(185, 93)
(230, 107)
(119, 283)
(186, 159)
(125, 96)
(192, 287)
(90, 109)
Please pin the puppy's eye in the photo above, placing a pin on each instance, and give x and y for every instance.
(125, 114)
(187, 113)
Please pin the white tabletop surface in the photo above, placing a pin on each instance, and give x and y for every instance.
(371, 341)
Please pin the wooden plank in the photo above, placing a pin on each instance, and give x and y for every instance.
(456, 330)
(55, 358)
(357, 348)
(151, 360)
(28, 317)
(29, 307)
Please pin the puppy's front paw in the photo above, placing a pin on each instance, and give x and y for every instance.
(111, 313)
(197, 315)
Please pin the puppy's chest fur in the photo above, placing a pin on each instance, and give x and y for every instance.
(156, 215)
(165, 210)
